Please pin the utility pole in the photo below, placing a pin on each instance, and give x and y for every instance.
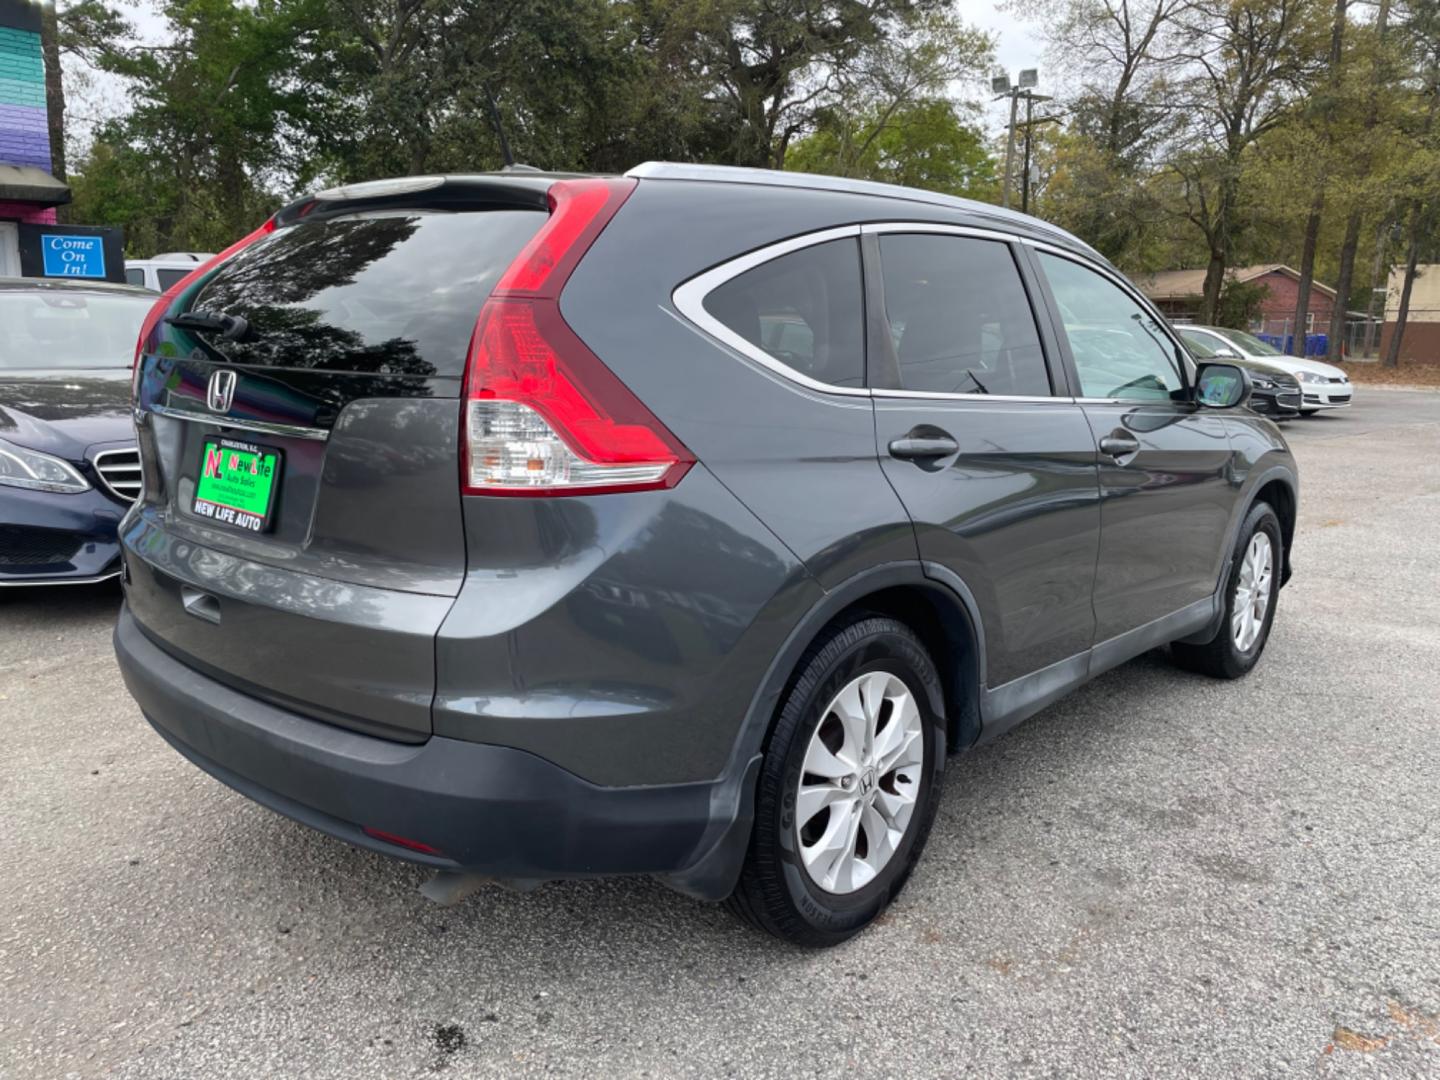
(1025, 174)
(1010, 149)
(1025, 87)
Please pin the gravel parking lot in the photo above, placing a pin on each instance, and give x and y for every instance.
(1160, 875)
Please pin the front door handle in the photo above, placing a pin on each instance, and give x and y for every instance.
(1118, 444)
(921, 447)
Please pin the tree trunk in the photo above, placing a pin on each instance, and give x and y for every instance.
(1214, 282)
(1300, 339)
(1412, 257)
(54, 88)
(1334, 351)
(1307, 273)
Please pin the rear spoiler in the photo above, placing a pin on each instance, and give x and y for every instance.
(478, 191)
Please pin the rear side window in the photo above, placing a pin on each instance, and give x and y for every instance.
(805, 309)
(168, 278)
(134, 276)
(389, 293)
(960, 317)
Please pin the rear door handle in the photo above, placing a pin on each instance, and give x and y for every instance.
(1119, 445)
(921, 447)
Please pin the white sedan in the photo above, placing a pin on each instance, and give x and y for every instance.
(1322, 385)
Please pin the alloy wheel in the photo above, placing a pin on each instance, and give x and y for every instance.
(860, 781)
(1252, 592)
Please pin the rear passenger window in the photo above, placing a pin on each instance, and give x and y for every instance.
(134, 276)
(805, 309)
(960, 317)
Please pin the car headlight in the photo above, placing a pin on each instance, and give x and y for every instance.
(38, 472)
(1262, 382)
(1310, 376)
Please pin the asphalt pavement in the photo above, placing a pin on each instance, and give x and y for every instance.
(1162, 875)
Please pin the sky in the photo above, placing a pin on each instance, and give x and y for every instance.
(1017, 46)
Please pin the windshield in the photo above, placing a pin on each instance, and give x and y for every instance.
(1197, 344)
(53, 329)
(1251, 344)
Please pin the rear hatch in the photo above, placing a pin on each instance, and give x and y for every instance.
(300, 535)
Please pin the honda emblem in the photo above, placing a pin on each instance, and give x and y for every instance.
(221, 392)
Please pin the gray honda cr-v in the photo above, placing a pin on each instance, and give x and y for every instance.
(678, 523)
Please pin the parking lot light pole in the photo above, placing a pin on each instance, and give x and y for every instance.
(1024, 87)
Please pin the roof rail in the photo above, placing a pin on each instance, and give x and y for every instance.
(733, 174)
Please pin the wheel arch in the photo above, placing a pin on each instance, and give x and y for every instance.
(943, 616)
(1280, 494)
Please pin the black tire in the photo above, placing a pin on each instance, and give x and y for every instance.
(1220, 656)
(775, 892)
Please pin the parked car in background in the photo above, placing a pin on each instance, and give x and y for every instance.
(1274, 393)
(487, 526)
(163, 271)
(1322, 385)
(68, 463)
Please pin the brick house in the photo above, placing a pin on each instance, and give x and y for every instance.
(28, 193)
(1422, 320)
(1177, 293)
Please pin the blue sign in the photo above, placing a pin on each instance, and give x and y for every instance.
(73, 256)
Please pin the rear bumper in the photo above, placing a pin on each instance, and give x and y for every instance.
(484, 808)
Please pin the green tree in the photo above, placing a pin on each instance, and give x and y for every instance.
(771, 68)
(927, 145)
(216, 113)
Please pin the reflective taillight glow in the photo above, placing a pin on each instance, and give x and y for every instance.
(167, 298)
(402, 841)
(543, 414)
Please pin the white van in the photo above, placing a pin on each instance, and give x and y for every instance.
(164, 270)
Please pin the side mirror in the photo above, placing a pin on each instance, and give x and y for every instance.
(1222, 386)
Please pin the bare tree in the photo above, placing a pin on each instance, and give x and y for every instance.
(1118, 54)
(1246, 60)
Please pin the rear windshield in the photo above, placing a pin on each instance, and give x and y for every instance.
(389, 293)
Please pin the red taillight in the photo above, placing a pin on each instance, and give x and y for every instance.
(402, 841)
(161, 306)
(543, 414)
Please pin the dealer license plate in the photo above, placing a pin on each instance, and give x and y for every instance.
(237, 485)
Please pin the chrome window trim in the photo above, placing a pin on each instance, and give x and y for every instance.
(689, 300)
(264, 427)
(961, 396)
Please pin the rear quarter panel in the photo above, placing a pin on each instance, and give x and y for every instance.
(804, 461)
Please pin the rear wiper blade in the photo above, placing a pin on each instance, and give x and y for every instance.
(231, 327)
